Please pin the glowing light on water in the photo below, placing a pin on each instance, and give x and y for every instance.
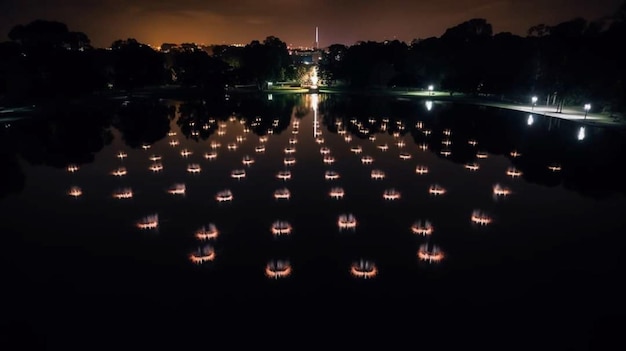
(119, 172)
(259, 149)
(481, 154)
(231, 146)
(155, 158)
(156, 167)
(171, 134)
(277, 269)
(75, 191)
(515, 154)
(331, 175)
(499, 190)
(240, 139)
(215, 145)
(419, 169)
(356, 149)
(224, 196)
(445, 152)
(72, 168)
(207, 232)
(290, 150)
(284, 175)
(337, 193)
(210, 155)
(383, 147)
(281, 228)
(447, 132)
(148, 222)
(472, 142)
(293, 141)
(324, 150)
(319, 140)
(238, 173)
(480, 217)
(185, 152)
(121, 155)
(177, 189)
(446, 142)
(282, 194)
(377, 174)
(364, 269)
(203, 254)
(426, 132)
(423, 228)
(221, 132)
(173, 142)
(289, 161)
(347, 138)
(513, 172)
(400, 143)
(436, 189)
(391, 194)
(346, 221)
(405, 156)
(372, 137)
(430, 253)
(263, 139)
(530, 120)
(194, 168)
(123, 193)
(145, 146)
(472, 166)
(423, 146)
(329, 159)
(554, 167)
(247, 160)
(367, 160)
(429, 105)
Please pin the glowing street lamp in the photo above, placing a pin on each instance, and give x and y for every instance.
(430, 89)
(587, 108)
(534, 100)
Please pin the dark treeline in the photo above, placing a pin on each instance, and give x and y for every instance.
(570, 63)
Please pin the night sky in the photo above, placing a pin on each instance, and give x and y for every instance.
(293, 21)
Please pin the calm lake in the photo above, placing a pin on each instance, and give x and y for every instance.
(447, 207)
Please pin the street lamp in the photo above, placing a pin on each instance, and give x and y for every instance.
(430, 89)
(534, 100)
(587, 108)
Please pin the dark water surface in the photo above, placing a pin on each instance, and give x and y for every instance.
(549, 261)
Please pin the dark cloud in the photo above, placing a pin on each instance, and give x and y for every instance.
(345, 21)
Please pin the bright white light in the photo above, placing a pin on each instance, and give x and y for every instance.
(430, 88)
(429, 105)
(581, 133)
(530, 120)
(534, 99)
(587, 107)
(270, 97)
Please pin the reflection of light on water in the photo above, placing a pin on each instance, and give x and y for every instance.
(346, 221)
(231, 146)
(215, 145)
(367, 160)
(331, 175)
(430, 253)
(121, 155)
(423, 147)
(329, 159)
(145, 146)
(173, 142)
(155, 158)
(75, 191)
(119, 172)
(472, 166)
(289, 161)
(319, 140)
(240, 138)
(207, 232)
(363, 269)
(210, 155)
(263, 139)
(377, 174)
(429, 105)
(372, 137)
(148, 222)
(419, 169)
(400, 143)
(290, 150)
(281, 228)
(337, 193)
(247, 160)
(324, 150)
(436, 189)
(194, 168)
(513, 172)
(277, 269)
(405, 156)
(72, 168)
(383, 147)
(293, 141)
(530, 120)
(177, 189)
(480, 217)
(445, 152)
(123, 193)
(426, 131)
(224, 196)
(282, 194)
(391, 194)
(514, 153)
(554, 167)
(238, 173)
(472, 142)
(356, 149)
(259, 149)
(447, 132)
(185, 152)
(499, 190)
(171, 134)
(423, 228)
(481, 154)
(203, 254)
(156, 167)
(284, 175)
(446, 142)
